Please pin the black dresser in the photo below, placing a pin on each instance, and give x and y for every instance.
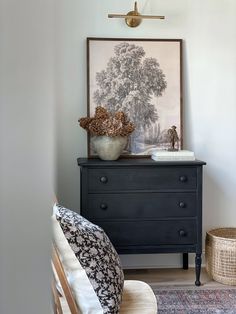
(146, 206)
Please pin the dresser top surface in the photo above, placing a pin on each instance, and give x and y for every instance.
(137, 162)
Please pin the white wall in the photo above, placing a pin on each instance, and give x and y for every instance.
(208, 28)
(26, 157)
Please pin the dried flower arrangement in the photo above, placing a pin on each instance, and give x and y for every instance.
(106, 123)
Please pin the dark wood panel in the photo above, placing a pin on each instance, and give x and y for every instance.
(143, 178)
(147, 249)
(150, 233)
(141, 205)
(146, 206)
(140, 162)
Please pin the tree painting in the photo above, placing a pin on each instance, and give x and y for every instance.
(130, 83)
(142, 78)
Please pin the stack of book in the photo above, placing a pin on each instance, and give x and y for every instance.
(165, 155)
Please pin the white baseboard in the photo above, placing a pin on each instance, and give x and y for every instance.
(143, 261)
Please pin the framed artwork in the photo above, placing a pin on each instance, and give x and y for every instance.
(142, 78)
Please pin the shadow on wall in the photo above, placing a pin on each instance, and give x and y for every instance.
(216, 201)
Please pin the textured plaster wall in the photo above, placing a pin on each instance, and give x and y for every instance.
(208, 28)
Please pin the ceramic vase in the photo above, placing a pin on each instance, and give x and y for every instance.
(109, 148)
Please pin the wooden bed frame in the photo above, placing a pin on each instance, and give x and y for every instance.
(65, 287)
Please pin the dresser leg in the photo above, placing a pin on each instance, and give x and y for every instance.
(198, 262)
(185, 260)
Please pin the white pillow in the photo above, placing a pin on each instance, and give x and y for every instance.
(90, 261)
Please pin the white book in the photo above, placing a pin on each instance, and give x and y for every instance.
(178, 153)
(172, 158)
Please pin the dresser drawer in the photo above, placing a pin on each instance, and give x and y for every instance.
(123, 179)
(151, 233)
(141, 205)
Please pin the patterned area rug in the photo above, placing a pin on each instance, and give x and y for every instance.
(191, 300)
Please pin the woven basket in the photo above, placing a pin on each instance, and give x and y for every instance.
(221, 255)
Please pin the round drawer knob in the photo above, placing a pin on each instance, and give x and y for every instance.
(183, 178)
(103, 179)
(182, 233)
(103, 206)
(182, 204)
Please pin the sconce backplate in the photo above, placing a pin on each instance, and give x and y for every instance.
(133, 22)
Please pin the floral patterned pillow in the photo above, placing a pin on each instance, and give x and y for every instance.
(98, 261)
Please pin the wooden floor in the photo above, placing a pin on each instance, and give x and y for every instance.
(171, 277)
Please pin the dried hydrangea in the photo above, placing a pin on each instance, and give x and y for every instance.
(120, 115)
(106, 123)
(84, 122)
(94, 127)
(101, 113)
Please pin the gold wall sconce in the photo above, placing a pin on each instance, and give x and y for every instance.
(134, 18)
